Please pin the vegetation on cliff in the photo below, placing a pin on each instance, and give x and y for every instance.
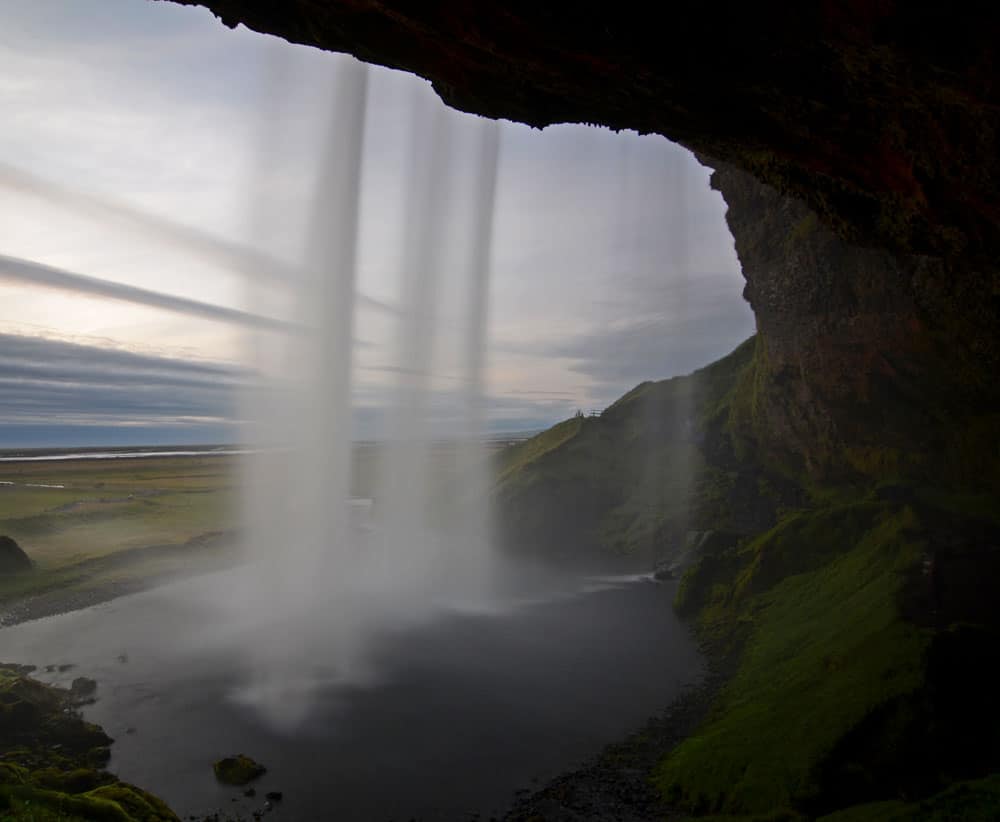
(629, 483)
(856, 615)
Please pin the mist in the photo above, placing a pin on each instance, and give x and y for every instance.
(326, 573)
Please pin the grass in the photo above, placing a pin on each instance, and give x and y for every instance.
(110, 509)
(827, 646)
(619, 484)
(108, 519)
(106, 506)
(520, 456)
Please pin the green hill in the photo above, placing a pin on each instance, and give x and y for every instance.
(634, 482)
(856, 616)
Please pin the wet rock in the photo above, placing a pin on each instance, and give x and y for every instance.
(274, 796)
(237, 770)
(83, 687)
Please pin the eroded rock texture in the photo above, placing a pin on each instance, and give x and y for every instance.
(869, 363)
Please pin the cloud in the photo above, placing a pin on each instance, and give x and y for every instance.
(46, 276)
(49, 385)
(56, 382)
(180, 158)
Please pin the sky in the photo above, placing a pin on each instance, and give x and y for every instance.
(156, 173)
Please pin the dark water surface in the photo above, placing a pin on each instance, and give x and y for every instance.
(456, 714)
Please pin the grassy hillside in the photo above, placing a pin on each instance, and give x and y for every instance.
(88, 522)
(629, 483)
(858, 618)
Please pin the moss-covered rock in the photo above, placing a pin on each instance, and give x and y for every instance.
(237, 770)
(51, 760)
(135, 802)
(866, 661)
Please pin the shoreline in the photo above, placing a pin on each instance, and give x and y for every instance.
(614, 783)
(617, 783)
(81, 594)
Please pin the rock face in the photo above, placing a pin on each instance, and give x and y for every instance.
(12, 557)
(882, 116)
(869, 364)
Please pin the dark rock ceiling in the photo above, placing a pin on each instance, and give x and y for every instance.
(882, 115)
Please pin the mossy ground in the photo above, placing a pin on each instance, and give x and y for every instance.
(51, 761)
(862, 630)
(237, 770)
(857, 614)
(825, 647)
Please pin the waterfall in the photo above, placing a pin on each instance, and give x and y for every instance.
(319, 584)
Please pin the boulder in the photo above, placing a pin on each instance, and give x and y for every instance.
(83, 687)
(237, 770)
(12, 557)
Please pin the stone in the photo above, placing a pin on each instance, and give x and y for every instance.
(237, 770)
(83, 687)
(12, 557)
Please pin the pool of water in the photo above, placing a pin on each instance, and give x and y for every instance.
(451, 716)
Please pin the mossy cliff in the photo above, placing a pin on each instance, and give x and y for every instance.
(870, 366)
(847, 460)
(51, 761)
(617, 484)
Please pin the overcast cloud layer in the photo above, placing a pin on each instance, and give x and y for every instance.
(190, 148)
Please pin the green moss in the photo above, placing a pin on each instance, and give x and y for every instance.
(75, 780)
(12, 774)
(49, 759)
(37, 805)
(117, 802)
(135, 802)
(237, 770)
(826, 647)
(971, 801)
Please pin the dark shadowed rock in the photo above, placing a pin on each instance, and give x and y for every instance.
(12, 557)
(83, 687)
(882, 116)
